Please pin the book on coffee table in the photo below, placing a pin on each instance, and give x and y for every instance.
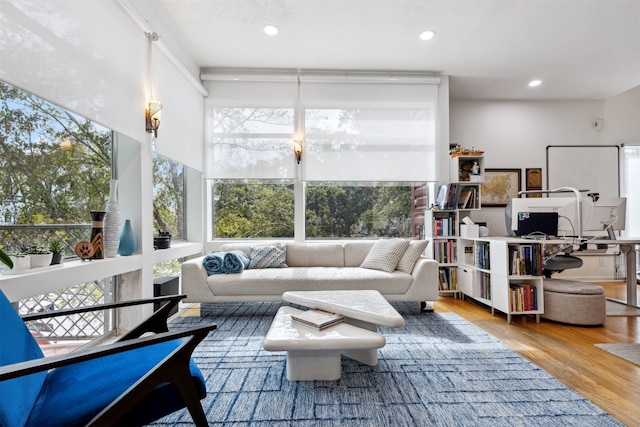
(318, 319)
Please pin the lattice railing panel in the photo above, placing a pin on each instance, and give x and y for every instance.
(74, 327)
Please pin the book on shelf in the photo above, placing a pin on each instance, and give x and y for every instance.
(466, 198)
(523, 297)
(318, 319)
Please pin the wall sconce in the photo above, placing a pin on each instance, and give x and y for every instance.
(152, 115)
(297, 149)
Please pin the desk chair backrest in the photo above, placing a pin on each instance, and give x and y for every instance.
(17, 396)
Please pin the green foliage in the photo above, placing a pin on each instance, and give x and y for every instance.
(33, 249)
(55, 246)
(259, 209)
(5, 259)
(253, 210)
(56, 165)
(168, 190)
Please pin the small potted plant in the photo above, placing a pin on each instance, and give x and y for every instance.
(20, 260)
(55, 247)
(40, 256)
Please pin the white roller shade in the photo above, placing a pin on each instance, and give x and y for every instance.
(369, 131)
(250, 130)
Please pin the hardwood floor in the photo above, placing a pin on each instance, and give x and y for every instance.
(568, 352)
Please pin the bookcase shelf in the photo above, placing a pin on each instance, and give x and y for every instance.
(503, 273)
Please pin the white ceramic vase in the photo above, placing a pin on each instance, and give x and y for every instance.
(111, 223)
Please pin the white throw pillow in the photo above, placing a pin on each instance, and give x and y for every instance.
(385, 254)
(411, 255)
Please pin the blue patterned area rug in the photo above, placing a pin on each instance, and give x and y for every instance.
(439, 370)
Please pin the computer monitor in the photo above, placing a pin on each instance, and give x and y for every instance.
(565, 207)
(606, 212)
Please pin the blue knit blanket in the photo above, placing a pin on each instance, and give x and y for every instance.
(225, 262)
(234, 262)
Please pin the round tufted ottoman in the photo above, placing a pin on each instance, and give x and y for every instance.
(577, 303)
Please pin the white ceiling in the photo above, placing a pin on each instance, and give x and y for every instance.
(581, 49)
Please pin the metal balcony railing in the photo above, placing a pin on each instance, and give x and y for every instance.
(76, 327)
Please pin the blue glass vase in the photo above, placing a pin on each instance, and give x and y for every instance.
(128, 241)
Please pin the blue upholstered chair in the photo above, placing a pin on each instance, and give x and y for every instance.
(131, 382)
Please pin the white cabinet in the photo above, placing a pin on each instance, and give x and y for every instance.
(503, 273)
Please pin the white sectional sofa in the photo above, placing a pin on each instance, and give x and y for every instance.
(310, 266)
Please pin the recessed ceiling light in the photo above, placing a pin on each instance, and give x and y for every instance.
(534, 83)
(271, 30)
(427, 35)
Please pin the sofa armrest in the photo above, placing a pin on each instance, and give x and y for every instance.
(425, 280)
(193, 280)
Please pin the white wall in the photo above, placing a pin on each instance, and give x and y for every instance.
(622, 118)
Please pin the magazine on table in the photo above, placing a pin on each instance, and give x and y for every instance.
(318, 319)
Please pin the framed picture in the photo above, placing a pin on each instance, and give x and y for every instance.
(500, 185)
(533, 181)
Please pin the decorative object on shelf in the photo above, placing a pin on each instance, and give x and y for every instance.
(163, 241)
(461, 150)
(500, 185)
(84, 250)
(97, 237)
(128, 240)
(111, 224)
(55, 246)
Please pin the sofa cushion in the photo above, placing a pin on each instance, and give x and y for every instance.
(269, 256)
(411, 255)
(315, 255)
(385, 254)
(355, 251)
(276, 281)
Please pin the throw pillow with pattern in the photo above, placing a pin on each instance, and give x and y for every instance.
(385, 254)
(269, 256)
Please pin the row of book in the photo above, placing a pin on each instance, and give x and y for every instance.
(523, 297)
(482, 256)
(448, 279)
(485, 285)
(453, 196)
(526, 260)
(444, 225)
(445, 251)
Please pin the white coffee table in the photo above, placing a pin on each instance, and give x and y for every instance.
(356, 337)
(313, 354)
(366, 308)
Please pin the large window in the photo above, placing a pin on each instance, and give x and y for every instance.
(168, 197)
(55, 167)
(358, 210)
(366, 147)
